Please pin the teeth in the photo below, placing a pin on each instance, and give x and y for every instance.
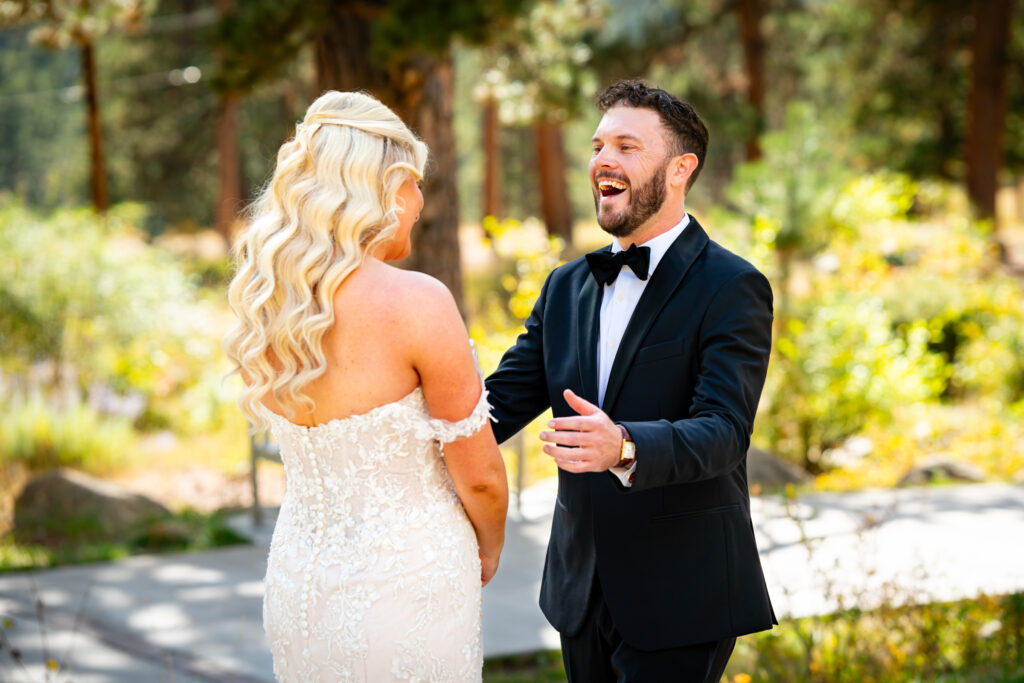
(609, 184)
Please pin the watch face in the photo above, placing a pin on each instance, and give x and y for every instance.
(628, 450)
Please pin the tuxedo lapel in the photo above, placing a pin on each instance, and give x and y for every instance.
(589, 308)
(664, 282)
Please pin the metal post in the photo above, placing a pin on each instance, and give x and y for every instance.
(257, 512)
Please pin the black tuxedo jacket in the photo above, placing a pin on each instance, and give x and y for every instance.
(674, 553)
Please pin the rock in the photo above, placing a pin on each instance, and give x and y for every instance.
(769, 471)
(941, 468)
(166, 533)
(64, 504)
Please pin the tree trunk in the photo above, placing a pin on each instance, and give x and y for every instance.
(420, 89)
(986, 117)
(749, 13)
(945, 22)
(229, 196)
(97, 172)
(554, 194)
(492, 160)
(229, 167)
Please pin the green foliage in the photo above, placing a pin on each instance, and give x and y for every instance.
(975, 318)
(791, 192)
(525, 668)
(894, 311)
(91, 309)
(970, 640)
(404, 24)
(38, 436)
(975, 640)
(186, 530)
(257, 40)
(525, 255)
(538, 69)
(841, 367)
(60, 23)
(44, 151)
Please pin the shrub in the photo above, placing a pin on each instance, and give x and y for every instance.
(37, 435)
(970, 640)
(895, 312)
(840, 367)
(89, 308)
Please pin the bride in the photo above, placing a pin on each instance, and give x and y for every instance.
(396, 497)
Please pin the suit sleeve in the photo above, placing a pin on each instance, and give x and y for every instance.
(518, 388)
(734, 345)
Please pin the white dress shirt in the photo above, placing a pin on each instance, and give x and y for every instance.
(617, 304)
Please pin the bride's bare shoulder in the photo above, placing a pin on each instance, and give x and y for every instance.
(402, 295)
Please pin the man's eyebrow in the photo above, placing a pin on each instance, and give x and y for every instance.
(620, 136)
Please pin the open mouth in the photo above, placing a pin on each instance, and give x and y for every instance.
(609, 187)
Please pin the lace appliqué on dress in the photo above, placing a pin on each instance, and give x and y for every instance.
(446, 432)
(374, 572)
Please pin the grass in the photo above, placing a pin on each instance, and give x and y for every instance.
(967, 641)
(184, 531)
(543, 666)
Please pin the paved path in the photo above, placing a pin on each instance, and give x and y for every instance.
(196, 617)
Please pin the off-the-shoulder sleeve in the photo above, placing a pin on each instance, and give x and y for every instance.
(445, 431)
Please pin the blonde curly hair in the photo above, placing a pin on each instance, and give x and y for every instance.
(333, 198)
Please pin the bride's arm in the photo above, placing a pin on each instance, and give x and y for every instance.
(478, 472)
(452, 386)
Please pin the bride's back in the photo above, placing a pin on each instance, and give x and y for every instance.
(369, 355)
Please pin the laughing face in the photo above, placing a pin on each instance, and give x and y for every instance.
(627, 169)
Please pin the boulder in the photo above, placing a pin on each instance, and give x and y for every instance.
(64, 504)
(769, 471)
(940, 468)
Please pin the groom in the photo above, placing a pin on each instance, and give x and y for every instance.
(652, 354)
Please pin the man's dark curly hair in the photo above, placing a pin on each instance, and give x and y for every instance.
(689, 134)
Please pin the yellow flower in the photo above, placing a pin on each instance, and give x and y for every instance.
(741, 678)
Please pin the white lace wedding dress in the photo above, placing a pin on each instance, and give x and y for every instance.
(374, 572)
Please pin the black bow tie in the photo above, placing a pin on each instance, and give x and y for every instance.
(606, 266)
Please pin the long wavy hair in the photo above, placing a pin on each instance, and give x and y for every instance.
(333, 198)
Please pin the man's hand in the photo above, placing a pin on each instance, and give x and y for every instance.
(597, 441)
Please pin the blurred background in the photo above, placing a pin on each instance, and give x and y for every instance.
(866, 155)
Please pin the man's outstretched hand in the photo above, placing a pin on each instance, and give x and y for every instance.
(588, 442)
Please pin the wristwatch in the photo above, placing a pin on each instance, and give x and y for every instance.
(628, 455)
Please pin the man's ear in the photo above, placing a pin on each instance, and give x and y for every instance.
(681, 168)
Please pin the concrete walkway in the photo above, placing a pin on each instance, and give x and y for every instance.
(197, 617)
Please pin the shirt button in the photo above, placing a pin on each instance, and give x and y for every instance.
(620, 298)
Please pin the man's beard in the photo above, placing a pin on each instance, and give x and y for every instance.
(645, 201)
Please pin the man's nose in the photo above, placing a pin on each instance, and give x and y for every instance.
(604, 159)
